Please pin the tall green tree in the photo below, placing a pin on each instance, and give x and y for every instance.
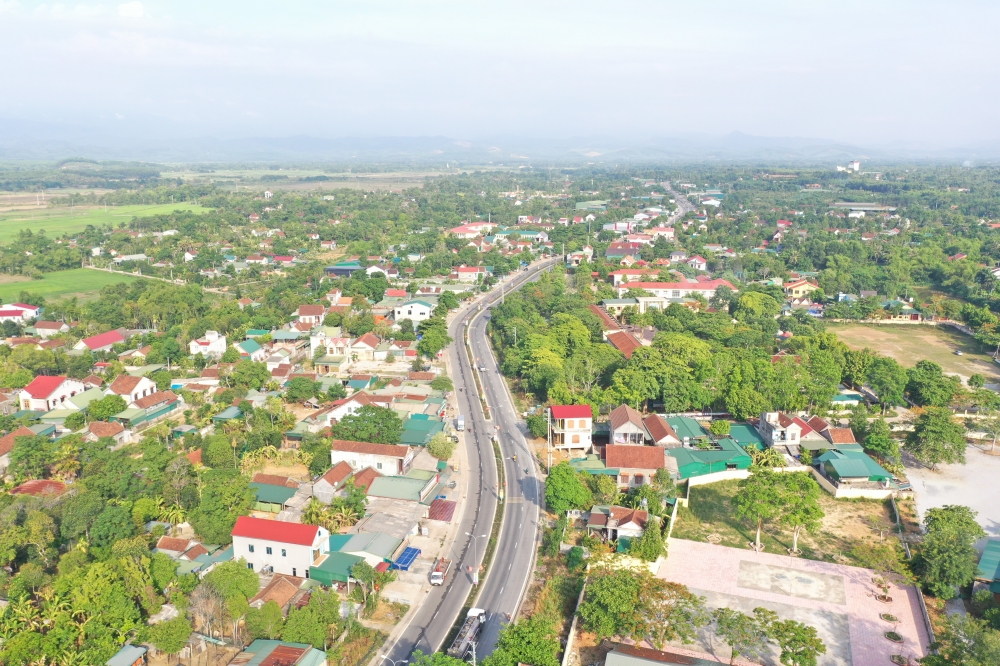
(746, 635)
(379, 425)
(530, 641)
(759, 499)
(799, 643)
(565, 490)
(937, 438)
(948, 556)
(800, 507)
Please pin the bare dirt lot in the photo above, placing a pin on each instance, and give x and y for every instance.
(909, 344)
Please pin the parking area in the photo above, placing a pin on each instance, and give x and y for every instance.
(837, 600)
(973, 484)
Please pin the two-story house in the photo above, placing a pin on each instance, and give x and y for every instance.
(210, 345)
(287, 548)
(572, 427)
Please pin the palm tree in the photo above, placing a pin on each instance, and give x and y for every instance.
(173, 514)
(314, 512)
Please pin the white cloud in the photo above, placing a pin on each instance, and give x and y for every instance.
(131, 9)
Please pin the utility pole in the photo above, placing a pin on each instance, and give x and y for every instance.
(548, 421)
(473, 653)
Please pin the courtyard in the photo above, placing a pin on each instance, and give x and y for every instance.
(973, 484)
(837, 600)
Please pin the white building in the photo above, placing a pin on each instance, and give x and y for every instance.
(287, 548)
(572, 427)
(387, 459)
(213, 345)
(44, 394)
(414, 310)
(131, 388)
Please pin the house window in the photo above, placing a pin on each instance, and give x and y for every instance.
(284, 553)
(569, 423)
(576, 439)
(623, 478)
(267, 550)
(307, 574)
(730, 465)
(378, 465)
(250, 566)
(295, 572)
(251, 548)
(791, 436)
(639, 479)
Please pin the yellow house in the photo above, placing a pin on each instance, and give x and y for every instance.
(800, 288)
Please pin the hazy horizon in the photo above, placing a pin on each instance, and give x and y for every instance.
(894, 73)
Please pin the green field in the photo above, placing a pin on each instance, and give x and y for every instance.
(80, 282)
(64, 220)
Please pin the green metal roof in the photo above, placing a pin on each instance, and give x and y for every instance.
(272, 494)
(853, 463)
(228, 414)
(593, 465)
(686, 427)
(729, 451)
(82, 400)
(249, 346)
(334, 567)
(337, 541)
(989, 563)
(745, 434)
(256, 332)
(421, 474)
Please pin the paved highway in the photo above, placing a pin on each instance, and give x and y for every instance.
(512, 563)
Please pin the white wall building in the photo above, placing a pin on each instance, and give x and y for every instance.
(288, 548)
(387, 459)
(414, 310)
(213, 345)
(47, 393)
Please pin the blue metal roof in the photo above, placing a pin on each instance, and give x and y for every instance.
(406, 559)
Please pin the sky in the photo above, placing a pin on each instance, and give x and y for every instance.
(851, 70)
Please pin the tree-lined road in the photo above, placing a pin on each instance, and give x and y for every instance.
(512, 563)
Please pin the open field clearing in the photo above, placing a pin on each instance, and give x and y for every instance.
(62, 220)
(910, 344)
(846, 522)
(83, 283)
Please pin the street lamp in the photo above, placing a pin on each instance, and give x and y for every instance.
(475, 575)
(393, 662)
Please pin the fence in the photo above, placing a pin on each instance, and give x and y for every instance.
(909, 555)
(567, 659)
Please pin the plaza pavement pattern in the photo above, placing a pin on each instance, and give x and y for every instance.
(838, 600)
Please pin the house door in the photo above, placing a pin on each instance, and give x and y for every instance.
(295, 572)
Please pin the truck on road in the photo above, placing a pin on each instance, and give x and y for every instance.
(468, 634)
(440, 572)
(460, 423)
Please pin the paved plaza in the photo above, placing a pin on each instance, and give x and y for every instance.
(837, 600)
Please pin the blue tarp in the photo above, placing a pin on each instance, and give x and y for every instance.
(406, 558)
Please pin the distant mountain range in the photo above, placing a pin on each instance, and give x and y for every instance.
(27, 140)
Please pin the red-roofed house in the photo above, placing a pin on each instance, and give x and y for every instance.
(333, 480)
(572, 426)
(46, 393)
(365, 346)
(8, 314)
(131, 388)
(287, 548)
(99, 429)
(102, 342)
(624, 342)
(46, 329)
(7, 445)
(636, 465)
(40, 487)
(697, 262)
(469, 273)
(311, 314)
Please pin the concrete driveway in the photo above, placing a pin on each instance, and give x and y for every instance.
(974, 484)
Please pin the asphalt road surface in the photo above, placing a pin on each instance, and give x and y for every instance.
(512, 562)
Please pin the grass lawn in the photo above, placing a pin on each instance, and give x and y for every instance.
(710, 511)
(910, 343)
(65, 220)
(80, 282)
